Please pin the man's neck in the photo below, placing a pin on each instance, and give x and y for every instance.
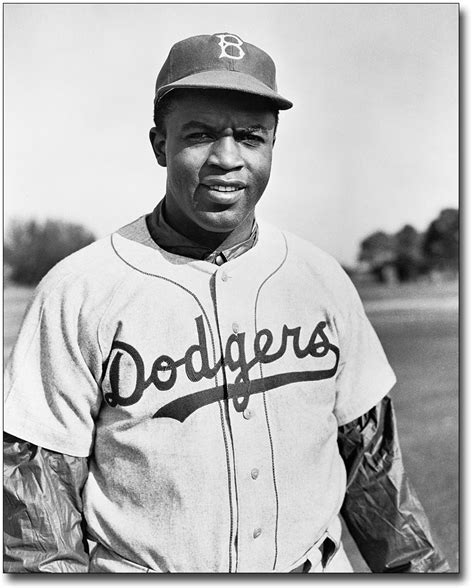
(210, 239)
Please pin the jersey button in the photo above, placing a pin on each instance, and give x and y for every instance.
(235, 327)
(224, 277)
(254, 473)
(257, 532)
(248, 414)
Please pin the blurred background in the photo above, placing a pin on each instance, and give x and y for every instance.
(365, 167)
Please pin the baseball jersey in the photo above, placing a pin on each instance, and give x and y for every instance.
(207, 398)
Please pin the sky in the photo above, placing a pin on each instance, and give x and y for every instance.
(370, 144)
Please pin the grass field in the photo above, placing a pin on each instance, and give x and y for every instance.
(418, 327)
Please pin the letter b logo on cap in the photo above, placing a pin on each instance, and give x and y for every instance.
(234, 42)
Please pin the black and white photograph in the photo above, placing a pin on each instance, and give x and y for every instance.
(231, 288)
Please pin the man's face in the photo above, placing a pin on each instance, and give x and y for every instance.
(217, 149)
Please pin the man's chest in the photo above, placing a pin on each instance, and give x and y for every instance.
(176, 348)
(218, 400)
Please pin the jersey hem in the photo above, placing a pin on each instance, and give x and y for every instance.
(27, 431)
(370, 402)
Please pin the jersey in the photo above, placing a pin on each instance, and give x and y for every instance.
(207, 398)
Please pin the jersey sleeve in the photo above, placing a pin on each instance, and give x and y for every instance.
(52, 392)
(364, 375)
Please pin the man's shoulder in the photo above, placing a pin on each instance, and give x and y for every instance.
(309, 266)
(96, 267)
(83, 264)
(300, 250)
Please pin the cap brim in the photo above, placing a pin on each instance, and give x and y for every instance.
(226, 80)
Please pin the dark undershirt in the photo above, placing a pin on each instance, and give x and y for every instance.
(166, 237)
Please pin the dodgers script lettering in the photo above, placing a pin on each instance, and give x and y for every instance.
(196, 366)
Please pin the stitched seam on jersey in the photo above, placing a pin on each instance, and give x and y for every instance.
(229, 483)
(265, 403)
(99, 326)
(229, 477)
(179, 286)
(183, 288)
(215, 378)
(274, 478)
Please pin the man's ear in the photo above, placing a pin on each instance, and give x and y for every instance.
(158, 142)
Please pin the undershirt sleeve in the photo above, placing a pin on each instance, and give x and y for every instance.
(43, 522)
(381, 509)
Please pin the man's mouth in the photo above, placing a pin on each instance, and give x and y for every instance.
(219, 188)
(223, 193)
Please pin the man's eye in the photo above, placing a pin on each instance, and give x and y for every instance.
(198, 136)
(252, 139)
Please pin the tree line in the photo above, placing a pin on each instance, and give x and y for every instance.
(408, 254)
(31, 248)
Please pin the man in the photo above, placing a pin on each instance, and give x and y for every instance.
(178, 391)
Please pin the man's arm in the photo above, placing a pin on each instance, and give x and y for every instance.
(381, 509)
(43, 525)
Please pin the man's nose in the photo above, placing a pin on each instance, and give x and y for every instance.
(225, 153)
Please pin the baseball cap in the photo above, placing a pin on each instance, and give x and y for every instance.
(220, 61)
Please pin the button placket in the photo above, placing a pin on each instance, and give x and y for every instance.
(248, 430)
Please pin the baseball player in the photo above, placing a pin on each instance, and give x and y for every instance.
(202, 392)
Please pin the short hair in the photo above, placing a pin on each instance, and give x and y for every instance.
(166, 105)
(162, 109)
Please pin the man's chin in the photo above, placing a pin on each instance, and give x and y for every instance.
(223, 221)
